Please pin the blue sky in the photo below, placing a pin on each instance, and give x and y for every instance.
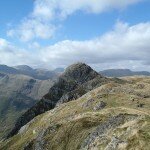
(79, 26)
(51, 30)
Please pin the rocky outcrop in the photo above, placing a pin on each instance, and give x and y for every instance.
(83, 88)
(100, 105)
(102, 129)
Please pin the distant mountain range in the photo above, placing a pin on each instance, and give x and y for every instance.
(122, 73)
(44, 74)
(41, 74)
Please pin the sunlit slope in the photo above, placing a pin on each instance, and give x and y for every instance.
(112, 117)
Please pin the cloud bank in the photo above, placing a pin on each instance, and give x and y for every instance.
(11, 55)
(41, 22)
(123, 47)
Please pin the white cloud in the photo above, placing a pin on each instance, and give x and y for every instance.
(31, 29)
(123, 47)
(34, 45)
(11, 55)
(39, 23)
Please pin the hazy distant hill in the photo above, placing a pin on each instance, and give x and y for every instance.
(2, 75)
(9, 70)
(41, 74)
(60, 70)
(18, 92)
(123, 72)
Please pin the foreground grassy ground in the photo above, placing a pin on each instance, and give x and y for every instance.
(113, 116)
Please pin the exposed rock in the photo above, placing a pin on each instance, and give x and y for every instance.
(143, 95)
(100, 105)
(140, 105)
(140, 86)
(115, 143)
(88, 103)
(83, 88)
(80, 72)
(39, 142)
(29, 146)
(102, 129)
(25, 127)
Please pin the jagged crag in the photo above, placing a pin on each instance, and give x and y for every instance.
(85, 110)
(72, 84)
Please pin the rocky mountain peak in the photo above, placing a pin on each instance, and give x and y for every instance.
(69, 86)
(23, 67)
(80, 72)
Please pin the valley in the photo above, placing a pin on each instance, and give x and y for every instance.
(18, 92)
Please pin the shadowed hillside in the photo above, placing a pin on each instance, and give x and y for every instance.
(17, 94)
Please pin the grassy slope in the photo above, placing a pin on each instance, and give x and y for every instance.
(69, 125)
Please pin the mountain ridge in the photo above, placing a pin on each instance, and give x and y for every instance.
(123, 72)
(40, 74)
